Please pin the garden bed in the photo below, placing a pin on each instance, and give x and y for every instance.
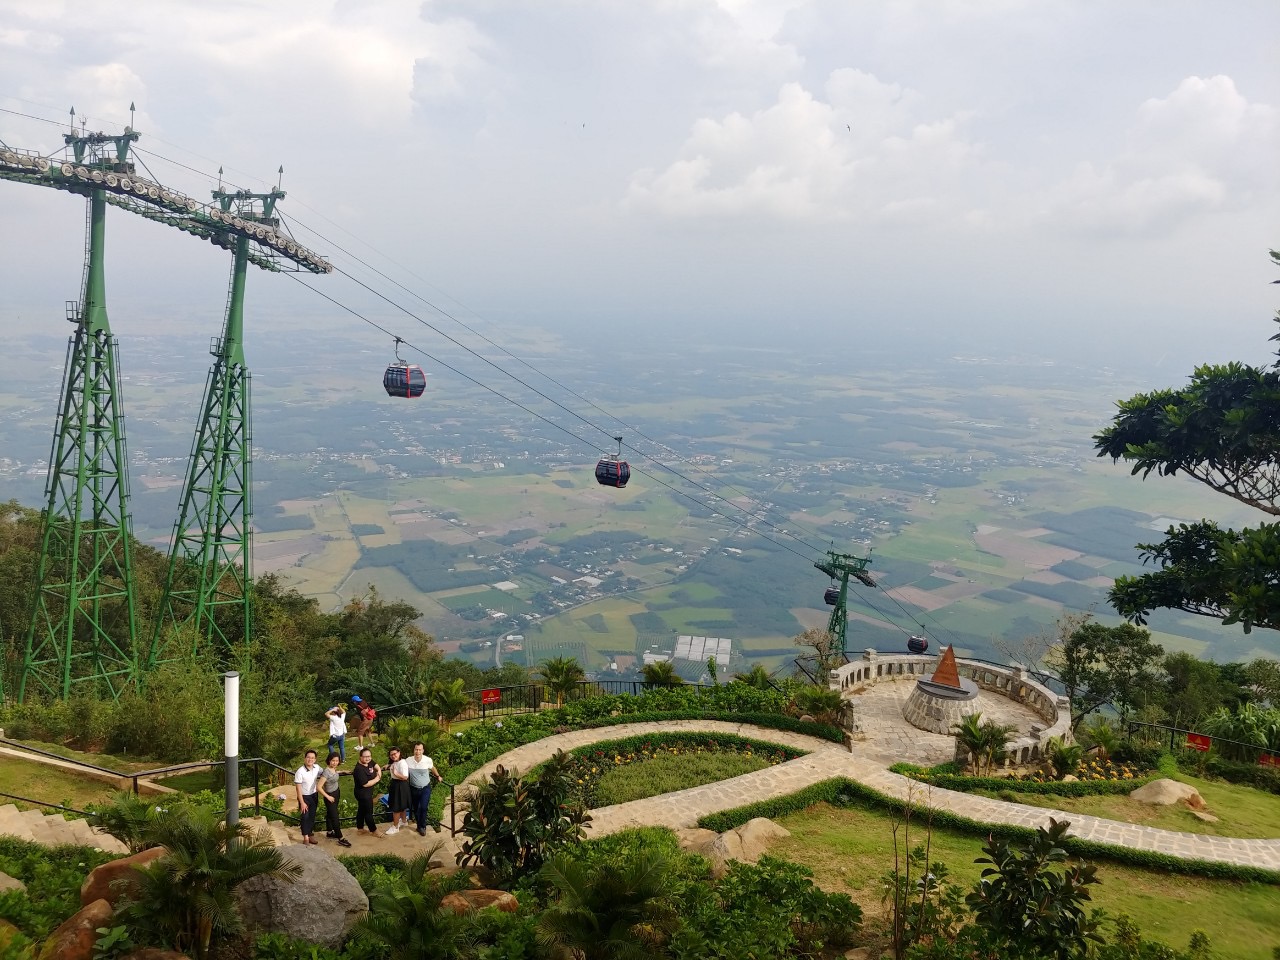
(635, 768)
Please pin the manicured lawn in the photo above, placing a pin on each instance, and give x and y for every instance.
(667, 772)
(48, 784)
(850, 849)
(123, 763)
(1241, 811)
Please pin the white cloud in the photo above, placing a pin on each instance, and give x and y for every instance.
(858, 152)
(1203, 148)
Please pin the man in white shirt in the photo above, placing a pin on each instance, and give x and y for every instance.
(305, 782)
(421, 773)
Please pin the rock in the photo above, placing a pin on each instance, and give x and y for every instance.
(8, 883)
(155, 953)
(1203, 815)
(1164, 793)
(695, 839)
(1196, 802)
(1070, 778)
(74, 940)
(756, 836)
(858, 953)
(464, 901)
(806, 718)
(726, 846)
(320, 906)
(101, 884)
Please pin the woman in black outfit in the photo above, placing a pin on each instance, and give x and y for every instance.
(367, 775)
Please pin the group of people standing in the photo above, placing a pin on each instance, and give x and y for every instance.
(408, 798)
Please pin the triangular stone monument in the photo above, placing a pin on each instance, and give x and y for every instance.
(946, 674)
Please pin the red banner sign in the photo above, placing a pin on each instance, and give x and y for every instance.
(1199, 741)
(1269, 760)
(495, 696)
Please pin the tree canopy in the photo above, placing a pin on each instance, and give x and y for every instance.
(1223, 430)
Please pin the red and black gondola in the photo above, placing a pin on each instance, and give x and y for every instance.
(403, 379)
(612, 470)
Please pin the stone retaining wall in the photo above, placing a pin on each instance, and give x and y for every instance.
(1014, 682)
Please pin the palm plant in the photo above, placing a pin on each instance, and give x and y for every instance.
(662, 673)
(561, 675)
(969, 735)
(1064, 758)
(1103, 736)
(406, 922)
(608, 910)
(403, 731)
(985, 742)
(448, 701)
(186, 898)
(757, 677)
(127, 817)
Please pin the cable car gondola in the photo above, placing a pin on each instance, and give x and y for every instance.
(612, 470)
(832, 596)
(402, 378)
(917, 644)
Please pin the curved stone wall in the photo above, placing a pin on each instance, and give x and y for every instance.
(1013, 682)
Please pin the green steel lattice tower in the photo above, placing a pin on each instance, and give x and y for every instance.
(83, 629)
(206, 588)
(842, 566)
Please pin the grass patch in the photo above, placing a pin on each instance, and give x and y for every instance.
(50, 785)
(849, 849)
(669, 772)
(1241, 811)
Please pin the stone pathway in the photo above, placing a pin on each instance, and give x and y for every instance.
(866, 764)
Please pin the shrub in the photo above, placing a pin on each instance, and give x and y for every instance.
(514, 825)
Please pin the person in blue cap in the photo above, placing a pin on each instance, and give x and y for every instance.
(361, 719)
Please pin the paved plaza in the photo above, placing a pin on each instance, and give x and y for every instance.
(888, 737)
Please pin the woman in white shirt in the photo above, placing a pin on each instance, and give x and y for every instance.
(338, 731)
(305, 782)
(399, 799)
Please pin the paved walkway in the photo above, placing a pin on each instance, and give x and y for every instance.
(865, 765)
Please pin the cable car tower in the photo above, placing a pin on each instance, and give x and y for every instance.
(842, 566)
(206, 586)
(83, 628)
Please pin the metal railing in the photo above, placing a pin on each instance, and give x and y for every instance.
(1047, 679)
(216, 766)
(1201, 742)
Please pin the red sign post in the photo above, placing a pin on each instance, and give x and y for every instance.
(488, 697)
(1269, 760)
(1199, 741)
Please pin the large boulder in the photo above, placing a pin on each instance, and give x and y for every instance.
(1165, 793)
(8, 883)
(464, 901)
(101, 883)
(321, 905)
(695, 839)
(756, 836)
(74, 940)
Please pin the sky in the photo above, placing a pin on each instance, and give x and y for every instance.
(1078, 178)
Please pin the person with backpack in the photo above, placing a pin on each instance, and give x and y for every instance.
(362, 717)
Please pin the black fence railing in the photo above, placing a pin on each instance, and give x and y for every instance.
(1180, 739)
(522, 698)
(252, 770)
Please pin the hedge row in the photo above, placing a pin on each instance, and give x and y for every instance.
(843, 792)
(1245, 774)
(1051, 788)
(724, 741)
